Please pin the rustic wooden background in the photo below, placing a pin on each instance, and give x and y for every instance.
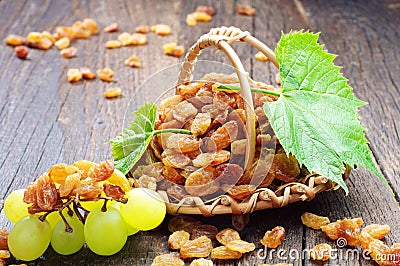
(45, 120)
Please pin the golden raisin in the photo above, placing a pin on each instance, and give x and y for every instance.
(74, 75)
(15, 40)
(241, 192)
(102, 171)
(314, 221)
(182, 143)
(59, 172)
(46, 193)
(154, 170)
(69, 184)
(197, 248)
(285, 168)
(273, 238)
(211, 159)
(87, 73)
(260, 56)
(142, 29)
(114, 192)
(88, 188)
(125, 38)
(62, 43)
(69, 52)
(3, 239)
(173, 49)
(377, 231)
(170, 259)
(201, 123)
(147, 182)
(113, 27)
(84, 166)
(5, 254)
(113, 44)
(224, 253)
(90, 25)
(206, 9)
(161, 29)
(240, 246)
(174, 159)
(171, 174)
(177, 239)
(63, 31)
(224, 135)
(191, 20)
(201, 16)
(202, 182)
(201, 262)
(348, 229)
(321, 252)
(21, 51)
(138, 39)
(227, 235)
(132, 61)
(245, 10)
(113, 92)
(105, 74)
(383, 254)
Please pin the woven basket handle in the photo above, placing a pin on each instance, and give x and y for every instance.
(221, 38)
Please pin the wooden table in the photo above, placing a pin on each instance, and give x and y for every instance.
(45, 120)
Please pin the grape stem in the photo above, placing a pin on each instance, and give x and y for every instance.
(237, 88)
(171, 130)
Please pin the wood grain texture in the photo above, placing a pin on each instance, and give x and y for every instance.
(46, 120)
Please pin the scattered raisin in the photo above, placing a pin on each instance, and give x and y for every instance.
(170, 259)
(105, 74)
(321, 252)
(62, 43)
(112, 44)
(224, 253)
(132, 61)
(74, 75)
(21, 52)
(206, 9)
(15, 40)
(273, 238)
(348, 229)
(377, 231)
(177, 239)
(113, 27)
(142, 29)
(173, 49)
(240, 246)
(227, 235)
(201, 262)
(113, 92)
(161, 29)
(197, 248)
(69, 52)
(90, 25)
(87, 73)
(314, 221)
(245, 10)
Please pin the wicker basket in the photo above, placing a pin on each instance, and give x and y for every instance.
(263, 198)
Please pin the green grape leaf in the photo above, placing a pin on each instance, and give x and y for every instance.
(128, 147)
(316, 116)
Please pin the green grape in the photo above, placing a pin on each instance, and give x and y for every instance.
(14, 207)
(54, 217)
(145, 209)
(92, 205)
(67, 243)
(131, 230)
(29, 238)
(105, 232)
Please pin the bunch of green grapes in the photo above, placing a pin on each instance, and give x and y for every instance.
(104, 231)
